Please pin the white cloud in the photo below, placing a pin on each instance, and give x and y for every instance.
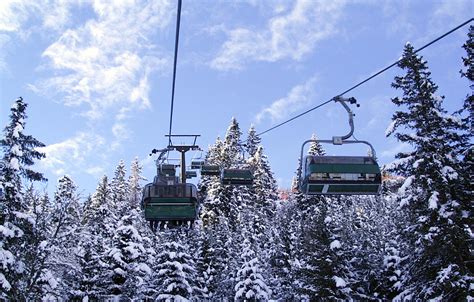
(96, 171)
(71, 154)
(121, 133)
(292, 35)
(450, 13)
(299, 97)
(13, 13)
(105, 62)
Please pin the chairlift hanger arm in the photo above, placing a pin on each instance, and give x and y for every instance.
(338, 139)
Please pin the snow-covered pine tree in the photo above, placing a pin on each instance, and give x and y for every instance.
(134, 185)
(175, 274)
(220, 200)
(20, 150)
(19, 154)
(127, 259)
(99, 217)
(253, 141)
(318, 257)
(40, 282)
(263, 196)
(207, 182)
(251, 284)
(232, 149)
(467, 148)
(98, 226)
(436, 233)
(468, 62)
(65, 225)
(315, 148)
(119, 190)
(282, 252)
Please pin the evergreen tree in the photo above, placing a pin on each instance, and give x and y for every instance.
(231, 149)
(98, 228)
(119, 190)
(468, 62)
(250, 285)
(261, 204)
(467, 149)
(253, 141)
(90, 286)
(99, 217)
(19, 154)
(175, 274)
(436, 233)
(135, 188)
(223, 201)
(65, 232)
(127, 259)
(283, 252)
(20, 150)
(40, 281)
(315, 148)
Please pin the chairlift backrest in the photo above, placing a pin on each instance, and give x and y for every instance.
(238, 177)
(210, 170)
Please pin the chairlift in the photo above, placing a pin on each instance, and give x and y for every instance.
(196, 164)
(164, 202)
(237, 177)
(191, 174)
(210, 170)
(169, 198)
(340, 175)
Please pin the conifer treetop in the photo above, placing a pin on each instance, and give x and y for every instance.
(20, 150)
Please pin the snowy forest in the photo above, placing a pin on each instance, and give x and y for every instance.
(413, 242)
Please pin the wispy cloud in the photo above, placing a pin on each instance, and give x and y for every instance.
(105, 63)
(71, 154)
(13, 13)
(101, 66)
(299, 97)
(289, 35)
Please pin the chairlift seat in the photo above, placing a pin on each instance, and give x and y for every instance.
(237, 177)
(191, 174)
(210, 170)
(176, 202)
(197, 164)
(341, 175)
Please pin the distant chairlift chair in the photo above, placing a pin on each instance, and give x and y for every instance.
(237, 177)
(210, 170)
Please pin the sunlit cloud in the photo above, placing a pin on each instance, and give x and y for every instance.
(71, 154)
(299, 97)
(290, 35)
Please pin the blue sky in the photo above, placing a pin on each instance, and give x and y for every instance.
(97, 74)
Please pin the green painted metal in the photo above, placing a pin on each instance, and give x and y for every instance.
(210, 170)
(237, 173)
(170, 202)
(191, 174)
(360, 188)
(314, 188)
(343, 168)
(177, 211)
(341, 189)
(240, 177)
(197, 164)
